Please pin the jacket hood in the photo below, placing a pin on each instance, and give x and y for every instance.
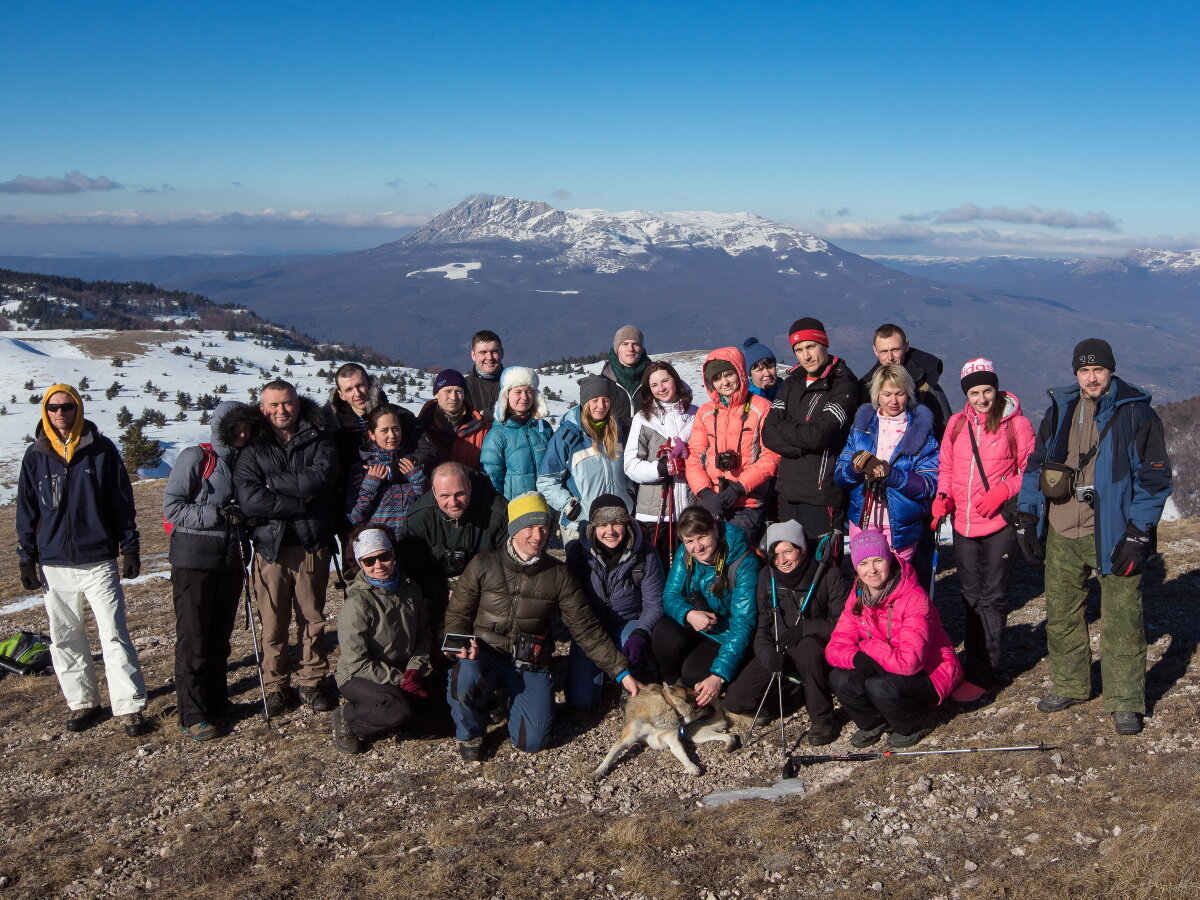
(518, 376)
(310, 417)
(920, 426)
(1119, 392)
(66, 449)
(340, 412)
(733, 356)
(221, 430)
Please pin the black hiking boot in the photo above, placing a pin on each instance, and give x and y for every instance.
(1127, 722)
(317, 698)
(83, 719)
(865, 737)
(278, 702)
(1053, 703)
(471, 750)
(344, 739)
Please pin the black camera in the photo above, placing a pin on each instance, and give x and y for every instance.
(456, 560)
(728, 460)
(532, 652)
(1086, 493)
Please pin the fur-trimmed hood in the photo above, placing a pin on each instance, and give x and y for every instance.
(920, 427)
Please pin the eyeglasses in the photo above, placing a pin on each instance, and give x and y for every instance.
(372, 561)
(61, 407)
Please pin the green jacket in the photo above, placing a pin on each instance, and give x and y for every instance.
(382, 633)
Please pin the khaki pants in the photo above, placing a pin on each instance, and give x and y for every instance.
(1069, 563)
(294, 582)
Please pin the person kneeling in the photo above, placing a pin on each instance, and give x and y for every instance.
(893, 660)
(385, 637)
(503, 603)
(795, 620)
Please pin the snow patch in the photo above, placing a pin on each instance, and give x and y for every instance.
(453, 271)
(539, 291)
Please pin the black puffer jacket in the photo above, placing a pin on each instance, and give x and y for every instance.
(290, 485)
(807, 427)
(926, 372)
(824, 609)
(498, 598)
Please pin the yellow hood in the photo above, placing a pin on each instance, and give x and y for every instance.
(66, 449)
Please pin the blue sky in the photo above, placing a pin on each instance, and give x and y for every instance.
(930, 128)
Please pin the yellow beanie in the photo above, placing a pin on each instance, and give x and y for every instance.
(527, 509)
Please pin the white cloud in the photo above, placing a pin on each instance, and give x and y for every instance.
(71, 183)
(1027, 215)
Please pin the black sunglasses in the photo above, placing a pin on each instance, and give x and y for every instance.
(368, 561)
(61, 407)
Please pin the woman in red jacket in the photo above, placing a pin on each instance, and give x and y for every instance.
(983, 456)
(893, 662)
(728, 468)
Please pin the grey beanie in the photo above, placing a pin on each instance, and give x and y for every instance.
(790, 531)
(593, 386)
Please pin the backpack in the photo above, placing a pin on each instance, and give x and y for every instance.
(210, 464)
(32, 651)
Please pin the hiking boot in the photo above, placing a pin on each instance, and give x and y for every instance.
(1054, 703)
(471, 750)
(83, 719)
(1127, 722)
(278, 702)
(820, 735)
(900, 741)
(135, 724)
(865, 737)
(317, 699)
(200, 731)
(343, 738)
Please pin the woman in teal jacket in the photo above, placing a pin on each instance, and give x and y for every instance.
(709, 600)
(516, 443)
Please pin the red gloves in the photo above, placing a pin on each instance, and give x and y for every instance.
(943, 505)
(414, 684)
(989, 505)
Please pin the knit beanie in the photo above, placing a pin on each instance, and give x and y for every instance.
(754, 352)
(449, 378)
(608, 508)
(628, 333)
(527, 509)
(593, 386)
(978, 372)
(807, 329)
(715, 368)
(790, 531)
(867, 544)
(1093, 352)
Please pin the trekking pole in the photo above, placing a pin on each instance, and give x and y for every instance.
(662, 510)
(247, 596)
(776, 680)
(937, 544)
(810, 759)
(822, 553)
(340, 583)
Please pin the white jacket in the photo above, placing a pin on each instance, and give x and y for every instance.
(641, 458)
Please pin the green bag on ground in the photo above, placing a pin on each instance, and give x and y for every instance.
(27, 649)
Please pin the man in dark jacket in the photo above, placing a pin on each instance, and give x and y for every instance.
(1102, 431)
(890, 346)
(487, 365)
(460, 517)
(807, 427)
(627, 361)
(74, 511)
(207, 569)
(286, 477)
(790, 636)
(506, 600)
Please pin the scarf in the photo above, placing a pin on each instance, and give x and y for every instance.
(629, 377)
(389, 584)
(793, 580)
(871, 599)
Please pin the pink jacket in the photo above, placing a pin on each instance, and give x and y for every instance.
(904, 634)
(958, 475)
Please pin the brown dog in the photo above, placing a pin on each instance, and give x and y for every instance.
(658, 715)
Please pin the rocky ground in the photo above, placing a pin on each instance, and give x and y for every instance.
(275, 811)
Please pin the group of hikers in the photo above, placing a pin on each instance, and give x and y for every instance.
(703, 537)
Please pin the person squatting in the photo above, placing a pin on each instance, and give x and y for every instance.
(703, 543)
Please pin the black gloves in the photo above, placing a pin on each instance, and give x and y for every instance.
(773, 661)
(233, 514)
(664, 464)
(1129, 556)
(791, 636)
(131, 564)
(572, 510)
(1026, 526)
(711, 501)
(730, 492)
(867, 665)
(31, 577)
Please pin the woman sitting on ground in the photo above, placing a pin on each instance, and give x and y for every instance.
(386, 637)
(893, 662)
(709, 604)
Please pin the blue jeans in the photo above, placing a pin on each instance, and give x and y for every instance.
(585, 681)
(469, 691)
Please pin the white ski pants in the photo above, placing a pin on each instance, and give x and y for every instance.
(100, 584)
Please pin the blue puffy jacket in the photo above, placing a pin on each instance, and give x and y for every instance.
(736, 608)
(74, 514)
(912, 482)
(512, 453)
(1132, 472)
(616, 593)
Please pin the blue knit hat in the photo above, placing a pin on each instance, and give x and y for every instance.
(754, 352)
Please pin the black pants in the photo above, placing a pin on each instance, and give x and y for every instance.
(984, 567)
(373, 709)
(206, 605)
(815, 520)
(807, 659)
(922, 558)
(683, 654)
(904, 702)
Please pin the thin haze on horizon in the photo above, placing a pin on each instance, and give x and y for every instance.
(923, 128)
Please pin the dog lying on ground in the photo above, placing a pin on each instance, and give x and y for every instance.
(658, 715)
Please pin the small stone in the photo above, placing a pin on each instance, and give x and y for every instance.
(1057, 759)
(970, 866)
(1033, 837)
(1116, 831)
(972, 812)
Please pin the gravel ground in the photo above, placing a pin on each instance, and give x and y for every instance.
(275, 811)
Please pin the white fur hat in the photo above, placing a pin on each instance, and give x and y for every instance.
(518, 376)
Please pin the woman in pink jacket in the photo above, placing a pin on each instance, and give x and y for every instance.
(983, 456)
(893, 662)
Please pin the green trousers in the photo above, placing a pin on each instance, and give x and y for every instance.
(1069, 564)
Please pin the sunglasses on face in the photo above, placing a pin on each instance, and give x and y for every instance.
(372, 561)
(61, 407)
